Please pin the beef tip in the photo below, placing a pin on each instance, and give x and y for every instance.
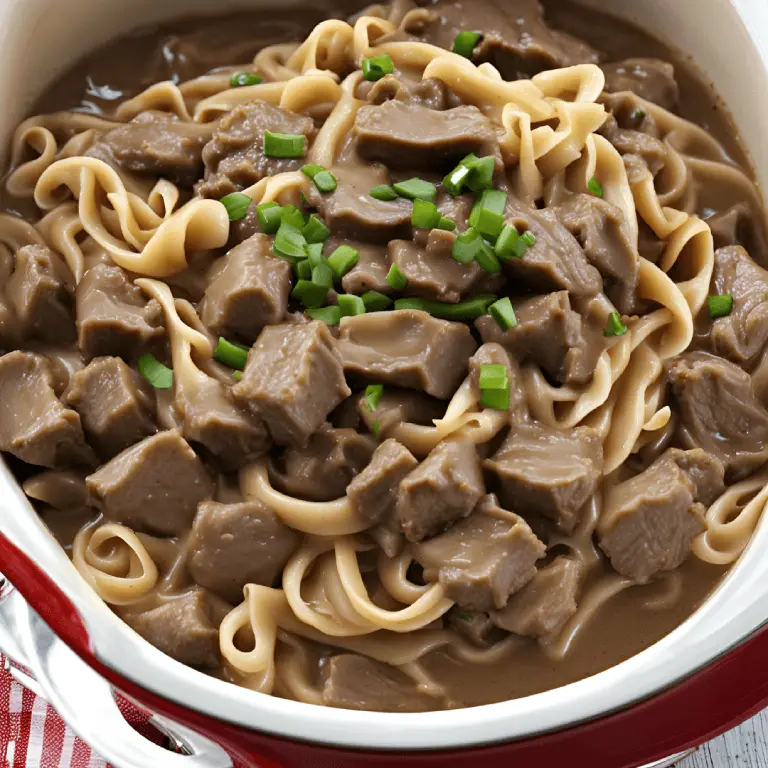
(408, 348)
(495, 354)
(153, 486)
(161, 144)
(234, 158)
(541, 607)
(373, 493)
(634, 138)
(601, 230)
(183, 629)
(40, 291)
(650, 521)
(323, 470)
(370, 272)
(388, 537)
(34, 426)
(651, 79)
(551, 334)
(483, 559)
(430, 93)
(400, 406)
(475, 626)
(249, 290)
(232, 545)
(457, 209)
(548, 471)
(719, 411)
(293, 379)
(444, 488)
(113, 315)
(244, 228)
(357, 682)
(741, 335)
(738, 225)
(413, 137)
(115, 404)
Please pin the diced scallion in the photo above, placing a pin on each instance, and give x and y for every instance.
(239, 79)
(290, 214)
(464, 310)
(342, 260)
(464, 43)
(157, 374)
(449, 225)
(455, 181)
(377, 67)
(396, 278)
(329, 315)
(466, 246)
(269, 216)
(509, 244)
(315, 254)
(237, 205)
(595, 188)
(309, 294)
(290, 242)
(315, 230)
(615, 325)
(373, 393)
(350, 305)
(375, 301)
(503, 313)
(720, 306)
(303, 269)
(416, 189)
(231, 354)
(376, 429)
(322, 275)
(324, 180)
(494, 386)
(237, 375)
(528, 238)
(486, 258)
(498, 399)
(482, 169)
(284, 144)
(383, 192)
(493, 201)
(425, 215)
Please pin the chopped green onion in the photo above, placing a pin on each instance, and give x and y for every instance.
(383, 192)
(492, 200)
(315, 254)
(615, 325)
(239, 79)
(290, 242)
(157, 374)
(528, 238)
(493, 376)
(466, 246)
(498, 399)
(375, 301)
(376, 428)
(482, 170)
(350, 305)
(329, 315)
(237, 205)
(503, 313)
(237, 375)
(377, 67)
(311, 170)
(322, 275)
(342, 260)
(488, 223)
(638, 113)
(464, 616)
(269, 216)
(284, 144)
(425, 215)
(396, 278)
(416, 189)
(303, 269)
(290, 214)
(449, 225)
(315, 230)
(373, 393)
(309, 294)
(720, 306)
(231, 354)
(455, 181)
(594, 187)
(464, 310)
(486, 258)
(465, 42)
(509, 244)
(325, 181)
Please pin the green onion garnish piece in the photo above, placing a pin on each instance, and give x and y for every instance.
(465, 42)
(231, 354)
(290, 214)
(284, 144)
(239, 79)
(325, 181)
(269, 216)
(455, 181)
(449, 225)
(384, 192)
(509, 244)
(396, 278)
(638, 114)
(416, 189)
(373, 393)
(329, 315)
(482, 170)
(342, 260)
(464, 310)
(315, 254)
(377, 67)
(375, 301)
(311, 170)
(376, 428)
(237, 205)
(720, 306)
(493, 376)
(425, 215)
(322, 275)
(290, 242)
(303, 269)
(466, 246)
(615, 326)
(464, 616)
(310, 294)
(157, 374)
(315, 231)
(237, 375)
(528, 238)
(488, 223)
(503, 313)
(498, 399)
(488, 212)
(486, 258)
(350, 305)
(594, 187)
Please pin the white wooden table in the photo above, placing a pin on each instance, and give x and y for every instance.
(743, 747)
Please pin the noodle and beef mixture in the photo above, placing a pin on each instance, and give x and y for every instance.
(384, 369)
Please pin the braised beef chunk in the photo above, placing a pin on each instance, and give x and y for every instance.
(549, 471)
(444, 488)
(431, 93)
(115, 403)
(408, 348)
(34, 426)
(642, 151)
(475, 626)
(293, 379)
(162, 144)
(249, 290)
(494, 354)
(541, 607)
(232, 545)
(234, 158)
(650, 521)
(182, 628)
(414, 137)
(551, 334)
(113, 315)
(651, 79)
(719, 411)
(373, 493)
(40, 291)
(741, 335)
(370, 272)
(357, 682)
(739, 225)
(483, 559)
(153, 486)
(323, 470)
(400, 406)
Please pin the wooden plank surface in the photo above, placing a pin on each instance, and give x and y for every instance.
(743, 747)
